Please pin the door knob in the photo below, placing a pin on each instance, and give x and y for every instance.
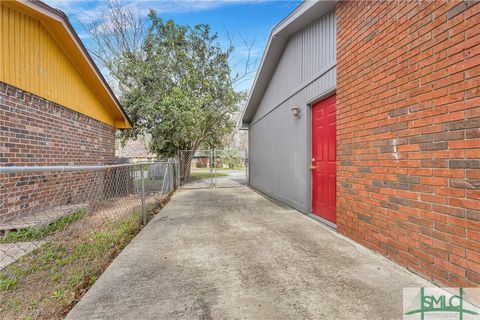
(313, 168)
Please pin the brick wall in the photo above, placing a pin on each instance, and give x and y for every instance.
(37, 132)
(408, 119)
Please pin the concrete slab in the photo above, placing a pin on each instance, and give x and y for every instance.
(197, 184)
(234, 254)
(227, 178)
(39, 219)
(234, 178)
(11, 252)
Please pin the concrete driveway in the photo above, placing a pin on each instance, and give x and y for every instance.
(234, 254)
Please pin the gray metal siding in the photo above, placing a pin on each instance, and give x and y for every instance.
(317, 54)
(307, 53)
(279, 142)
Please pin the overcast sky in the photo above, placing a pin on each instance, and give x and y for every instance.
(248, 19)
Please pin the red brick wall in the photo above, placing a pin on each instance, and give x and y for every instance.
(408, 105)
(37, 132)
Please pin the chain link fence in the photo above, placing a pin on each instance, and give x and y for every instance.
(61, 226)
(231, 168)
(196, 168)
(212, 168)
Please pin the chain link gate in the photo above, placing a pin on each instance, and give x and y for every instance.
(212, 168)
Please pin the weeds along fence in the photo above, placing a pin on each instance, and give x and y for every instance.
(61, 226)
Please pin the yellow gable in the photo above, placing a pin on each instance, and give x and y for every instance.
(39, 54)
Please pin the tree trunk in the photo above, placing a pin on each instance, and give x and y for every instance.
(186, 158)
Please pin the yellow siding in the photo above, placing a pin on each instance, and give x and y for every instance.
(32, 60)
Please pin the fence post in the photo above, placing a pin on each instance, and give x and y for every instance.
(164, 177)
(175, 174)
(177, 171)
(144, 215)
(213, 172)
(247, 167)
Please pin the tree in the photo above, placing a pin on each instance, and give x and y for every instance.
(232, 159)
(175, 84)
(180, 89)
(119, 31)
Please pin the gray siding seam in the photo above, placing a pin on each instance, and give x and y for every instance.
(322, 95)
(307, 52)
(298, 89)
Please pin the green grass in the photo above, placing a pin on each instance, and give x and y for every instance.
(44, 283)
(30, 234)
(205, 175)
(8, 283)
(230, 169)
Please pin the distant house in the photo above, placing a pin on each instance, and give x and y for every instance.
(135, 150)
(55, 105)
(365, 115)
(238, 139)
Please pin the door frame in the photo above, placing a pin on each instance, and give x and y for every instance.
(308, 162)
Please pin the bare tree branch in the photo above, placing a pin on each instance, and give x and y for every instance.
(120, 30)
(248, 63)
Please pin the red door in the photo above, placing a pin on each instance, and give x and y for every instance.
(324, 155)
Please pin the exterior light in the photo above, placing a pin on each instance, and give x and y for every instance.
(296, 112)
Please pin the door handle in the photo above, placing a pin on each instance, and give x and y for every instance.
(312, 167)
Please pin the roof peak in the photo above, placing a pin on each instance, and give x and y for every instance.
(307, 12)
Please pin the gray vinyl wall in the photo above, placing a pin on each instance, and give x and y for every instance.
(279, 143)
